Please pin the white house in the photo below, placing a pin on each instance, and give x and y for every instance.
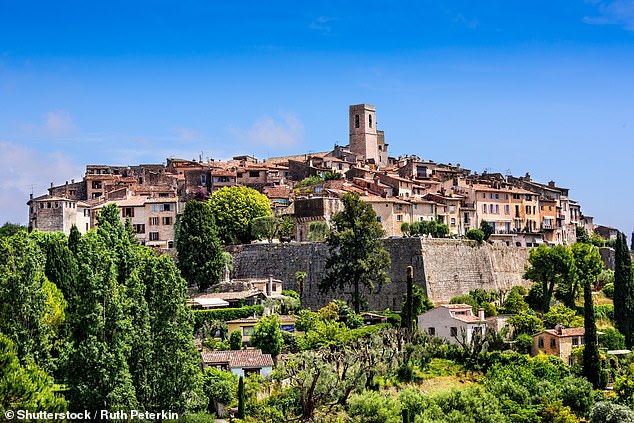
(453, 322)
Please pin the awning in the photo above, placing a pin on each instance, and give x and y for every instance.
(211, 302)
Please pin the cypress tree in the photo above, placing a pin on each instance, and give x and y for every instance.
(73, 239)
(199, 253)
(623, 291)
(241, 398)
(591, 360)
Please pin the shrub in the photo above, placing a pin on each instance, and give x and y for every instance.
(235, 340)
(607, 412)
(225, 314)
(612, 339)
(523, 343)
(476, 235)
(608, 289)
(604, 312)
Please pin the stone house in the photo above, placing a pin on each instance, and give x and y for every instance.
(51, 213)
(453, 322)
(391, 213)
(559, 341)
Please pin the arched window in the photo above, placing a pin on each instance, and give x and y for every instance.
(356, 121)
(370, 116)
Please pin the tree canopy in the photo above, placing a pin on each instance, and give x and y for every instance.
(357, 255)
(199, 253)
(549, 266)
(234, 209)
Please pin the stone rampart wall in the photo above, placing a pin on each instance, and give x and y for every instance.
(443, 268)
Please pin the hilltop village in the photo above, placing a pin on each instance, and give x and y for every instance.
(393, 312)
(308, 187)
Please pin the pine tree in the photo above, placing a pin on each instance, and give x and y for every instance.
(623, 291)
(357, 255)
(199, 253)
(591, 359)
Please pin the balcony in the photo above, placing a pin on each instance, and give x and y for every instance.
(547, 226)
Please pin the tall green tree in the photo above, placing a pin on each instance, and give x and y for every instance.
(357, 255)
(267, 335)
(234, 209)
(591, 359)
(548, 267)
(23, 301)
(587, 267)
(96, 360)
(174, 379)
(25, 387)
(199, 252)
(623, 291)
(73, 239)
(10, 229)
(267, 227)
(61, 265)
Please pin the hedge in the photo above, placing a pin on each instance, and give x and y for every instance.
(225, 314)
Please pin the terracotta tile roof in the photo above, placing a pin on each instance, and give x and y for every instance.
(567, 332)
(277, 192)
(245, 359)
(222, 173)
(467, 318)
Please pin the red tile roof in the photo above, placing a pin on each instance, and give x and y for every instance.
(245, 359)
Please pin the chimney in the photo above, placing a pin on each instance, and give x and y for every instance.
(481, 313)
(269, 286)
(72, 181)
(551, 183)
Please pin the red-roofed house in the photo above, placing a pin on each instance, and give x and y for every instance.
(454, 322)
(559, 341)
(240, 362)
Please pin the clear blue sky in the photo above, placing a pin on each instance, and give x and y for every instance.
(545, 87)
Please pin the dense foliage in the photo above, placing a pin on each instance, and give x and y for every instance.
(199, 253)
(357, 256)
(234, 209)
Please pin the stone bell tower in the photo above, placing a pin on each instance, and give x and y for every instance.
(365, 141)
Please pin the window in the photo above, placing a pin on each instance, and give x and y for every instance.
(516, 196)
(575, 341)
(203, 180)
(72, 192)
(484, 195)
(497, 209)
(166, 207)
(476, 331)
(399, 207)
(527, 209)
(497, 196)
(453, 221)
(452, 209)
(154, 208)
(507, 209)
(379, 219)
(540, 342)
(583, 340)
(96, 184)
(154, 221)
(167, 220)
(356, 121)
(553, 343)
(529, 197)
(127, 211)
(491, 196)
(491, 208)
(453, 331)
(254, 174)
(163, 194)
(431, 331)
(247, 330)
(170, 244)
(370, 120)
(399, 217)
(154, 236)
(139, 228)
(506, 196)
(484, 208)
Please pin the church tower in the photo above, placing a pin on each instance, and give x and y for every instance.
(365, 141)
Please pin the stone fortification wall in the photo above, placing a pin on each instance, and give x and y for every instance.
(443, 268)
(455, 267)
